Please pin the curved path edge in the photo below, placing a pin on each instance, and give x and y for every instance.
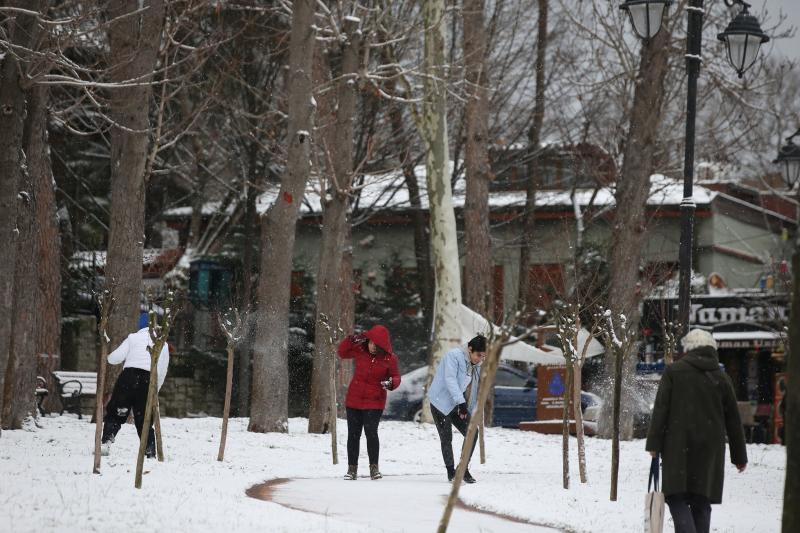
(264, 491)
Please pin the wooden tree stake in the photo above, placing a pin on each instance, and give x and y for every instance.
(488, 372)
(106, 302)
(158, 334)
(233, 334)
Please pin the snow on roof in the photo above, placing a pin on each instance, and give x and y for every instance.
(387, 192)
(97, 258)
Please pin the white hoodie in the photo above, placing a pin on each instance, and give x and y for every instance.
(133, 351)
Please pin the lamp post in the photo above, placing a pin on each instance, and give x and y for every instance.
(743, 37)
(789, 160)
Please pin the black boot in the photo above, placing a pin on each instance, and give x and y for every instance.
(468, 477)
(451, 473)
(374, 473)
(352, 472)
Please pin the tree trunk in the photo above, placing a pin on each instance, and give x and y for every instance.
(478, 245)
(152, 393)
(106, 303)
(227, 406)
(422, 245)
(48, 242)
(12, 123)
(616, 416)
(134, 41)
(578, 415)
(791, 494)
(447, 300)
(269, 408)
(337, 130)
(347, 311)
(244, 351)
(526, 252)
(633, 189)
(19, 400)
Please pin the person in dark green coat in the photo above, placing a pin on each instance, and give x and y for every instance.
(695, 409)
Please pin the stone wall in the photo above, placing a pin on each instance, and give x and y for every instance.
(191, 396)
(79, 348)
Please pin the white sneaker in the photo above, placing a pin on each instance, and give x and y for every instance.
(105, 449)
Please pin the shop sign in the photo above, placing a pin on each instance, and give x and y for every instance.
(711, 311)
(703, 315)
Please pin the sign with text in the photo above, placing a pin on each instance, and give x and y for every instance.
(709, 311)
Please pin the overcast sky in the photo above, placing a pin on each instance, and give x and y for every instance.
(791, 8)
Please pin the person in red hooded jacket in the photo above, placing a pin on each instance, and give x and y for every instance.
(375, 372)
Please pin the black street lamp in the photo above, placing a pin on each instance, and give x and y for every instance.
(646, 15)
(789, 160)
(742, 38)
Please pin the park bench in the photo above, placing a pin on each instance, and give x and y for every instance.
(74, 386)
(41, 393)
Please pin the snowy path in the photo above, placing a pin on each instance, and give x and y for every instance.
(47, 485)
(406, 503)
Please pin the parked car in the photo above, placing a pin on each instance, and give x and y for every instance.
(514, 397)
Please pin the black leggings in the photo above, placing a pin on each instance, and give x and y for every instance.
(130, 393)
(443, 426)
(691, 513)
(367, 419)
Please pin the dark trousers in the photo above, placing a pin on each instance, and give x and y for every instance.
(130, 393)
(443, 426)
(691, 513)
(368, 420)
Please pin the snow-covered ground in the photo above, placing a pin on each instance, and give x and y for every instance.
(46, 482)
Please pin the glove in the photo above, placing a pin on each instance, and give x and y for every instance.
(387, 383)
(462, 410)
(359, 338)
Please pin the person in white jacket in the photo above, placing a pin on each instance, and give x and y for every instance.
(130, 391)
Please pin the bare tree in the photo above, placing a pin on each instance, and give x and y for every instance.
(433, 128)
(48, 248)
(18, 34)
(134, 36)
(269, 408)
(20, 374)
(534, 178)
(335, 122)
(620, 338)
(478, 245)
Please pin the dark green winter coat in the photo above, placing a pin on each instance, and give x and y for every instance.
(695, 408)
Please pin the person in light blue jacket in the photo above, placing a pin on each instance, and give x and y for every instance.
(458, 368)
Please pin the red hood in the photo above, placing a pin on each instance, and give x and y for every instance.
(380, 336)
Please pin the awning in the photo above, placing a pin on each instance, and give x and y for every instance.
(472, 323)
(747, 339)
